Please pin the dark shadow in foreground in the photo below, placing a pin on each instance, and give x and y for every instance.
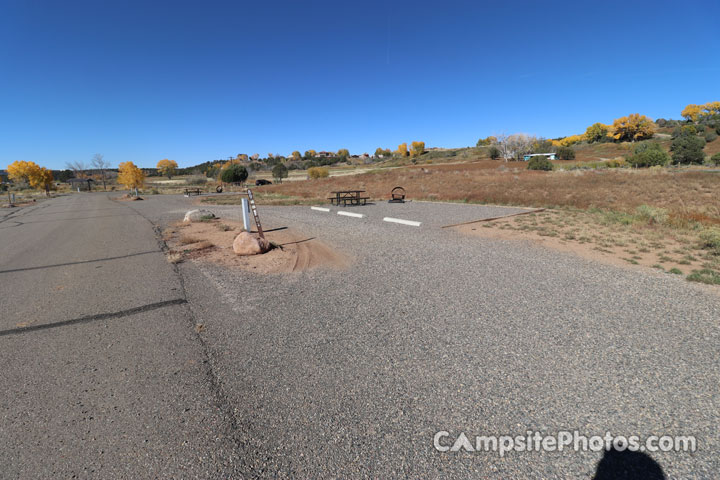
(625, 465)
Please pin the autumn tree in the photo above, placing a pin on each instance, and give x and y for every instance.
(343, 153)
(310, 154)
(131, 176)
(484, 142)
(241, 158)
(32, 174)
(634, 127)
(167, 167)
(41, 178)
(568, 141)
(597, 132)
(692, 112)
(20, 171)
(417, 149)
(296, 155)
(402, 150)
(99, 162)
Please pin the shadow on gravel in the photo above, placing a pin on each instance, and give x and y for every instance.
(625, 465)
(78, 262)
(93, 318)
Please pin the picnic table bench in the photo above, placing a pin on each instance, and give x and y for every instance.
(352, 197)
(189, 191)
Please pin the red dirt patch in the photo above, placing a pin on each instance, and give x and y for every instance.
(212, 241)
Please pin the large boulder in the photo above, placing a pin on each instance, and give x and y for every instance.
(197, 215)
(248, 244)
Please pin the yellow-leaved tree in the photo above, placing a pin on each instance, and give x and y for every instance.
(711, 108)
(296, 155)
(692, 112)
(131, 176)
(402, 150)
(417, 149)
(567, 141)
(343, 153)
(632, 128)
(310, 153)
(20, 171)
(167, 167)
(32, 174)
(41, 178)
(597, 132)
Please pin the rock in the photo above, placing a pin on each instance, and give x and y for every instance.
(248, 244)
(197, 215)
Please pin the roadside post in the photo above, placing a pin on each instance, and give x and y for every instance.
(255, 214)
(246, 214)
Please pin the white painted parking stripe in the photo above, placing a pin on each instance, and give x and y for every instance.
(351, 214)
(320, 209)
(412, 223)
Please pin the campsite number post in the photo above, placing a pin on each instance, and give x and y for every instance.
(254, 211)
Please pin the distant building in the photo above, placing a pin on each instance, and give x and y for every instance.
(550, 156)
(81, 183)
(324, 154)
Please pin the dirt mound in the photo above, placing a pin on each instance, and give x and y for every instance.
(212, 241)
(128, 198)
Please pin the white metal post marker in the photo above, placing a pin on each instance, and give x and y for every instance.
(246, 214)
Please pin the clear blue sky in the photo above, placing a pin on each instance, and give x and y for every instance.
(196, 81)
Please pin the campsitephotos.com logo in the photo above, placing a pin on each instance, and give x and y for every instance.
(533, 441)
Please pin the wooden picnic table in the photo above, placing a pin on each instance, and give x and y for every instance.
(352, 197)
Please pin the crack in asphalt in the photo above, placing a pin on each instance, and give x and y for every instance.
(93, 318)
(215, 384)
(80, 262)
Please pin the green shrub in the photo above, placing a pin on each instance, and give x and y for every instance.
(652, 215)
(646, 146)
(566, 153)
(687, 149)
(649, 158)
(715, 159)
(494, 153)
(710, 240)
(705, 276)
(318, 172)
(684, 130)
(710, 136)
(540, 163)
(234, 173)
(279, 172)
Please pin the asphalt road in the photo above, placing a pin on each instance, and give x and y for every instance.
(103, 374)
(345, 374)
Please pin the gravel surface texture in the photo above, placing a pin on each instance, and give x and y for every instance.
(351, 373)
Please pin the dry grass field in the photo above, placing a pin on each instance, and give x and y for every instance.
(684, 192)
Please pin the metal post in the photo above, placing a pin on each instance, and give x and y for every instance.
(246, 214)
(254, 212)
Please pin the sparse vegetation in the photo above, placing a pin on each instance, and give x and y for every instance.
(540, 163)
(318, 172)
